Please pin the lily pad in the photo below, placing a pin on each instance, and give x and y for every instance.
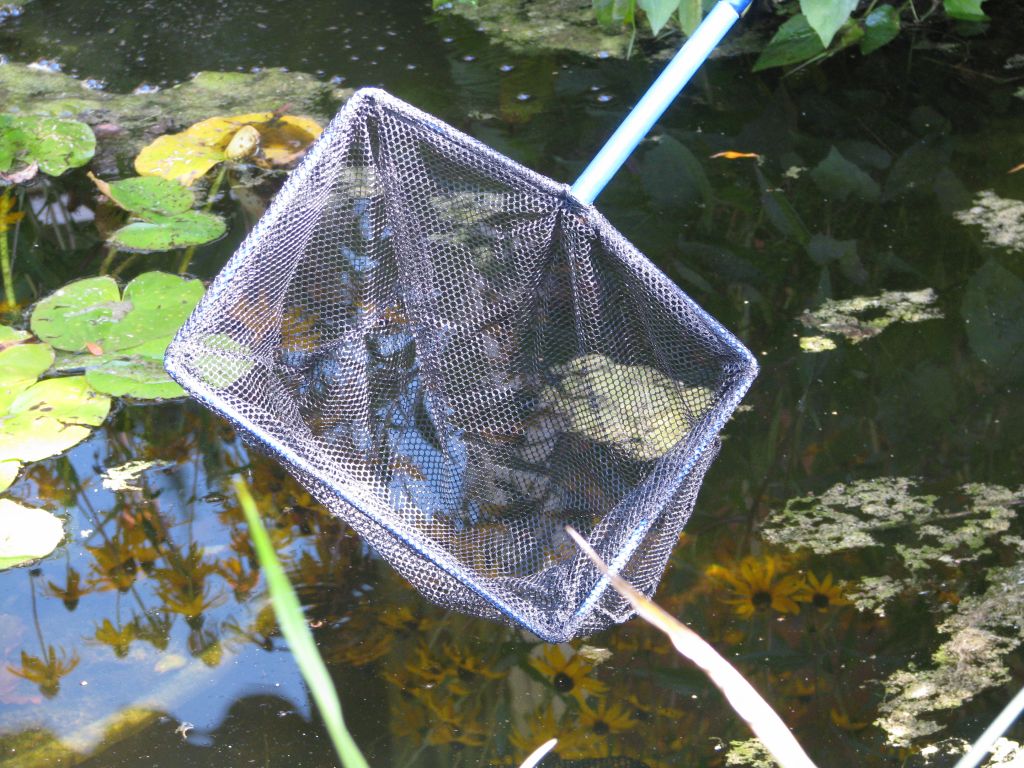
(53, 143)
(8, 473)
(187, 156)
(49, 417)
(147, 194)
(635, 408)
(118, 339)
(164, 233)
(26, 533)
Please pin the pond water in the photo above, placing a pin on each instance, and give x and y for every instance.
(856, 548)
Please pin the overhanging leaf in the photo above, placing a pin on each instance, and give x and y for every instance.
(672, 175)
(55, 144)
(825, 17)
(165, 233)
(26, 533)
(795, 42)
(132, 330)
(658, 12)
(965, 10)
(881, 26)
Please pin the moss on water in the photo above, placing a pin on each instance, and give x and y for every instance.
(125, 122)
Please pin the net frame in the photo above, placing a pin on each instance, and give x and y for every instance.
(635, 537)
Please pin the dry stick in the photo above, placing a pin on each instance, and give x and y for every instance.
(746, 701)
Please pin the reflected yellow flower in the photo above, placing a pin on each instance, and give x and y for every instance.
(47, 671)
(758, 584)
(118, 638)
(426, 668)
(451, 724)
(470, 671)
(606, 717)
(569, 676)
(842, 720)
(8, 217)
(821, 594)
(69, 595)
(404, 620)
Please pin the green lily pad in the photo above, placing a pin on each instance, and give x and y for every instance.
(148, 195)
(8, 473)
(20, 363)
(165, 233)
(54, 143)
(118, 340)
(49, 417)
(26, 533)
(225, 362)
(138, 377)
(635, 408)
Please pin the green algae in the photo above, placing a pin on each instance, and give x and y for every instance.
(982, 632)
(1001, 220)
(562, 25)
(864, 317)
(751, 752)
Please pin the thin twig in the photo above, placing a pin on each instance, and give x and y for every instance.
(740, 694)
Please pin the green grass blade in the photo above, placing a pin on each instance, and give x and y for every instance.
(300, 640)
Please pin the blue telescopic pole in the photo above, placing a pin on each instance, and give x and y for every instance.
(659, 96)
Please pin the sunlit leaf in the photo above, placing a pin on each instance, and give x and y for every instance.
(133, 330)
(1016, 168)
(658, 12)
(965, 10)
(55, 144)
(49, 417)
(8, 473)
(881, 26)
(21, 363)
(795, 42)
(165, 233)
(613, 14)
(26, 533)
(147, 194)
(295, 630)
(187, 156)
(825, 17)
(690, 14)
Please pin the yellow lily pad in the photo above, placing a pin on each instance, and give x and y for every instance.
(187, 156)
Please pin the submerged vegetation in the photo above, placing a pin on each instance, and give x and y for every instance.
(856, 549)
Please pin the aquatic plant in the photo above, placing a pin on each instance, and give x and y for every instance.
(118, 338)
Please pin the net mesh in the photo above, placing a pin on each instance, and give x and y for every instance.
(459, 358)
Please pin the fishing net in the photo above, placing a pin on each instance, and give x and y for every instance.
(459, 359)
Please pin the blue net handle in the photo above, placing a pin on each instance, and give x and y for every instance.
(659, 96)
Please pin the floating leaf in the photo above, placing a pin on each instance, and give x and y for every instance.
(8, 473)
(147, 194)
(825, 17)
(21, 363)
(881, 26)
(185, 157)
(133, 330)
(49, 417)
(54, 144)
(993, 308)
(965, 10)
(165, 233)
(795, 42)
(26, 533)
